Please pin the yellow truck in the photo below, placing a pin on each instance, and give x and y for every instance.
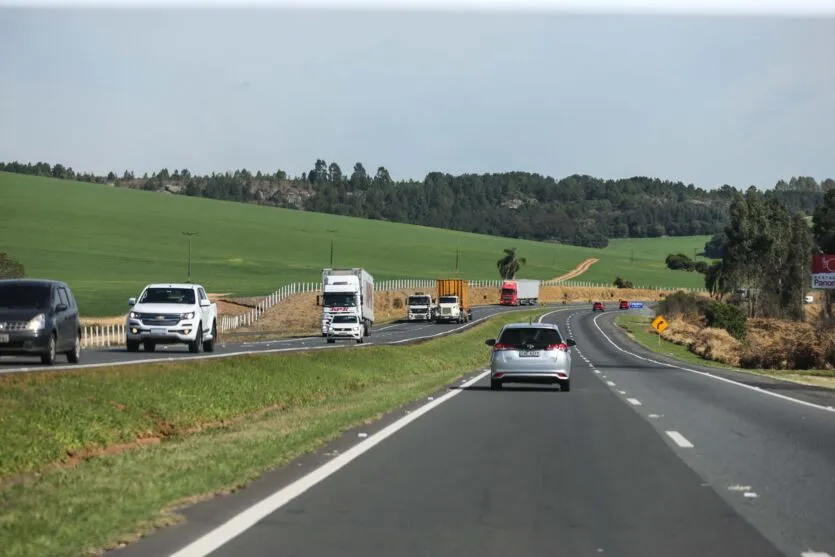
(453, 301)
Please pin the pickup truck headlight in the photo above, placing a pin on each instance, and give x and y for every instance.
(133, 315)
(189, 315)
(36, 323)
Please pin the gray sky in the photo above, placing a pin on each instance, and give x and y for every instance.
(708, 101)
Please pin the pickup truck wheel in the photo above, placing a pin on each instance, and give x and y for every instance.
(209, 345)
(195, 346)
(132, 345)
(48, 357)
(149, 346)
(360, 340)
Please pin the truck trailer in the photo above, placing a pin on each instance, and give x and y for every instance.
(521, 292)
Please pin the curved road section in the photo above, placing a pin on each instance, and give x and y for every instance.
(640, 459)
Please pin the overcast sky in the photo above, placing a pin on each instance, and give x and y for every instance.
(707, 101)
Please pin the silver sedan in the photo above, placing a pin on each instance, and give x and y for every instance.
(530, 353)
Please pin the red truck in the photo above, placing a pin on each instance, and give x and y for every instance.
(522, 292)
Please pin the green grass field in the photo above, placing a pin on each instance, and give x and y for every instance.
(107, 243)
(226, 421)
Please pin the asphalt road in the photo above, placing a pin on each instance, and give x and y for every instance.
(639, 459)
(387, 334)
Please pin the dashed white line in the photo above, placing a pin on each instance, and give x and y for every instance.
(621, 392)
(610, 383)
(634, 401)
(811, 553)
(679, 439)
(596, 370)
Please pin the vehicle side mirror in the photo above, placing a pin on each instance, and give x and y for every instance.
(131, 301)
(570, 342)
(204, 303)
(490, 342)
(61, 307)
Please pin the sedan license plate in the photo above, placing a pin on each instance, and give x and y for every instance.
(4, 339)
(158, 330)
(529, 353)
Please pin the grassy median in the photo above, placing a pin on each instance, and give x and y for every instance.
(90, 459)
(638, 328)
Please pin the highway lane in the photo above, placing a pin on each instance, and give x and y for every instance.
(395, 333)
(766, 446)
(636, 460)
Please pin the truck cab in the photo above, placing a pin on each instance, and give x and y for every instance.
(420, 307)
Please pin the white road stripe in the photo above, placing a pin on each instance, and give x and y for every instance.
(712, 376)
(679, 439)
(634, 401)
(811, 553)
(610, 383)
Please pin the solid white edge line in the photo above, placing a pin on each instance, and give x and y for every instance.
(712, 376)
(679, 439)
(251, 516)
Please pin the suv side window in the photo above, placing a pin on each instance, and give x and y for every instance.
(56, 299)
(62, 295)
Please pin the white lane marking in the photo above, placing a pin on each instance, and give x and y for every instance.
(654, 416)
(634, 401)
(811, 553)
(596, 370)
(679, 439)
(712, 376)
(739, 488)
(610, 383)
(249, 517)
(750, 495)
(621, 392)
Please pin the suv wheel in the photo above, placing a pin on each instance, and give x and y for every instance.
(74, 355)
(48, 357)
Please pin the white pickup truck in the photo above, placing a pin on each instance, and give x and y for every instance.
(172, 314)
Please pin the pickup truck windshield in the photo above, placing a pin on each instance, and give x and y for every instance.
(25, 296)
(447, 300)
(345, 319)
(168, 296)
(339, 300)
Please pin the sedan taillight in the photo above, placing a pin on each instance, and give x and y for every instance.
(499, 347)
(560, 346)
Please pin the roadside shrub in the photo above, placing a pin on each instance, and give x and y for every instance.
(728, 317)
(683, 303)
(10, 268)
(622, 283)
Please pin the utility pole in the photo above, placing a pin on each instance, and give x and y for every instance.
(331, 253)
(632, 258)
(189, 234)
(456, 255)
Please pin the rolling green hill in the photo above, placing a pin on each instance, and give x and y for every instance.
(108, 242)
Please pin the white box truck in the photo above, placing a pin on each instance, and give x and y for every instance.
(347, 292)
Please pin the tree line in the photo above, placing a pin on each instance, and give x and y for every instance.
(579, 209)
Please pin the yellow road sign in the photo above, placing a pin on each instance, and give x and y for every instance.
(659, 324)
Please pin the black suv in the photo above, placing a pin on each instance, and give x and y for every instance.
(39, 317)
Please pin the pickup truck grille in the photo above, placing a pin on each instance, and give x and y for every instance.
(153, 319)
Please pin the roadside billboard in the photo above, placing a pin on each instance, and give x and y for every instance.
(823, 271)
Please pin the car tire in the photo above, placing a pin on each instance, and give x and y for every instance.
(360, 341)
(195, 345)
(48, 357)
(149, 346)
(74, 355)
(331, 341)
(209, 345)
(495, 385)
(565, 386)
(132, 345)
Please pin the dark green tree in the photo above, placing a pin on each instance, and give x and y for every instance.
(510, 264)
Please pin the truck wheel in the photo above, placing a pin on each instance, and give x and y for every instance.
(132, 345)
(209, 345)
(149, 346)
(368, 329)
(195, 346)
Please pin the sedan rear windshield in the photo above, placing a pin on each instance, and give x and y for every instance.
(536, 336)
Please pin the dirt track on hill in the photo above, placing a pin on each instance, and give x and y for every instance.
(578, 270)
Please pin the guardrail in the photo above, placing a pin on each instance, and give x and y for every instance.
(114, 335)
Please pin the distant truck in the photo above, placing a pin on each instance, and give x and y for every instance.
(420, 307)
(453, 301)
(347, 292)
(172, 313)
(522, 292)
